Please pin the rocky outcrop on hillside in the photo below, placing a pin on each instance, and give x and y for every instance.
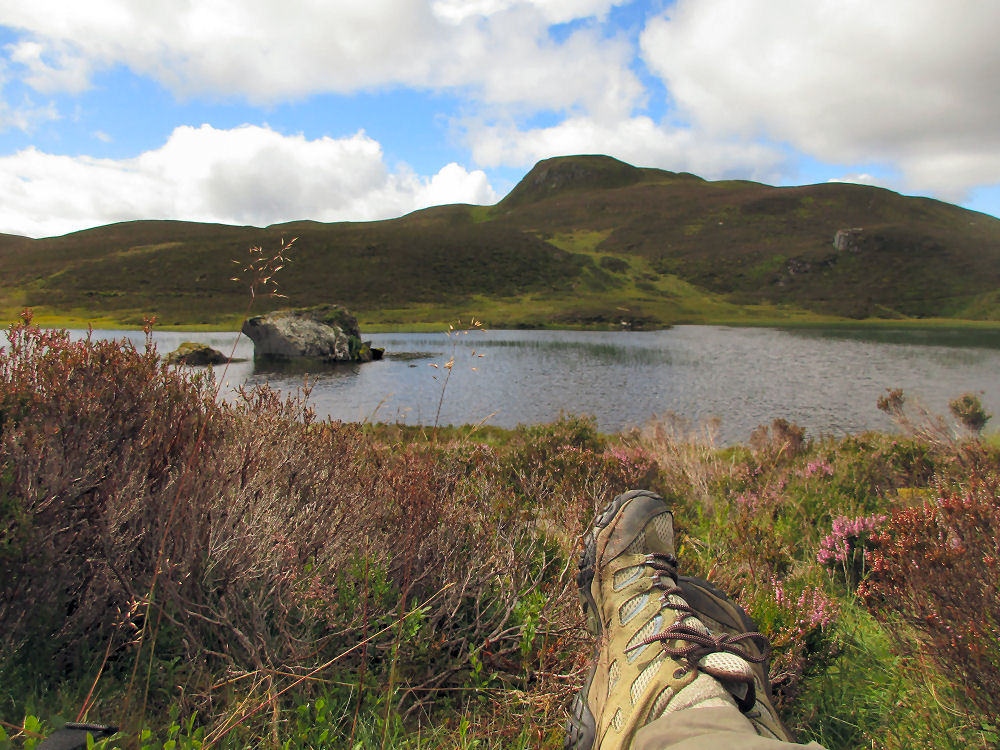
(560, 174)
(848, 239)
(327, 333)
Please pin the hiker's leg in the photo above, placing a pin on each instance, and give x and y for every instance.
(706, 728)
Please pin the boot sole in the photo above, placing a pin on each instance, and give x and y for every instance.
(581, 727)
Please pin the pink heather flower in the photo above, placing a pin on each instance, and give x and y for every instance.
(619, 452)
(819, 466)
(816, 610)
(847, 535)
(748, 501)
(812, 610)
(754, 500)
(635, 461)
(779, 591)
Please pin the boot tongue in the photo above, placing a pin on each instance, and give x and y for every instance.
(721, 664)
(727, 667)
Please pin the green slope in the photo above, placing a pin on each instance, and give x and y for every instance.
(582, 240)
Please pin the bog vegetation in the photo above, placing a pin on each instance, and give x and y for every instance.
(243, 575)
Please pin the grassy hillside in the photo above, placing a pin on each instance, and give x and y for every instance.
(584, 240)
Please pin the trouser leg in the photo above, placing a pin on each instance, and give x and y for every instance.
(711, 728)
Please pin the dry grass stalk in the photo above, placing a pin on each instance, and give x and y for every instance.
(686, 454)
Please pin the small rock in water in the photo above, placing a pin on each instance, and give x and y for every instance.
(194, 354)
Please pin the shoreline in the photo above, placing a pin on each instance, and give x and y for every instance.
(887, 324)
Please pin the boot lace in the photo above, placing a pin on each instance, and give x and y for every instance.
(696, 643)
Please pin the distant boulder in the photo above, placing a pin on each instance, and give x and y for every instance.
(327, 333)
(194, 354)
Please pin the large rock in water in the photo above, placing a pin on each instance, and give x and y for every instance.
(328, 333)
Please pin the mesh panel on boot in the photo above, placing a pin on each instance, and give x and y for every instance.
(625, 576)
(664, 526)
(638, 545)
(704, 691)
(632, 607)
(640, 682)
(618, 720)
(652, 627)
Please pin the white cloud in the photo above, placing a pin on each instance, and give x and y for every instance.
(454, 184)
(906, 82)
(638, 140)
(267, 51)
(859, 178)
(26, 116)
(247, 175)
(51, 70)
(554, 11)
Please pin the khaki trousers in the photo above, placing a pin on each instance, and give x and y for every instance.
(714, 728)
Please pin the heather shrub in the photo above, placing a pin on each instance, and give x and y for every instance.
(569, 430)
(968, 410)
(844, 550)
(142, 518)
(933, 569)
(800, 620)
(633, 464)
(869, 468)
(87, 480)
(562, 473)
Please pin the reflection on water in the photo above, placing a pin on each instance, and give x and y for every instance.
(827, 380)
(598, 351)
(947, 337)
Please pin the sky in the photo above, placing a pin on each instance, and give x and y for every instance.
(255, 112)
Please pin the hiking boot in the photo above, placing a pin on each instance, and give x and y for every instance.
(720, 614)
(655, 654)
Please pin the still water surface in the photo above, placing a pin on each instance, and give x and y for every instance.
(827, 380)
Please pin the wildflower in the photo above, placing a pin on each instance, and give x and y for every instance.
(846, 536)
(819, 467)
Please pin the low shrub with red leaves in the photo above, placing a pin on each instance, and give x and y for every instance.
(934, 568)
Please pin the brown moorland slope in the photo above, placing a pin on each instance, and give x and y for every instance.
(590, 229)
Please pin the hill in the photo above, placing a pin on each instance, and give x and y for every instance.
(582, 240)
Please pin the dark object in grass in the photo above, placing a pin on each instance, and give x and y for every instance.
(74, 736)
